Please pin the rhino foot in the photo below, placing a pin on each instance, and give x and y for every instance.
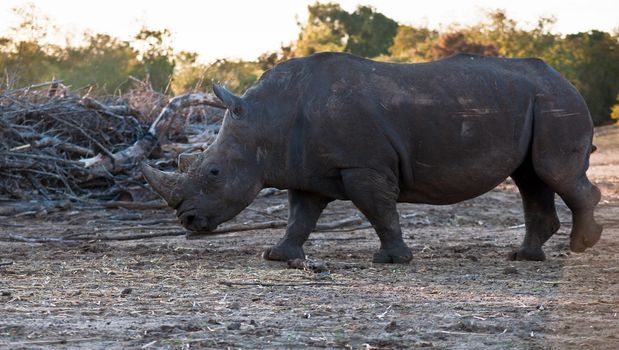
(527, 254)
(283, 252)
(397, 255)
(581, 241)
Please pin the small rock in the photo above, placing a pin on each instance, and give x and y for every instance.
(126, 292)
(313, 265)
(392, 326)
(510, 270)
(275, 208)
(296, 263)
(460, 249)
(234, 326)
(234, 306)
(323, 275)
(212, 321)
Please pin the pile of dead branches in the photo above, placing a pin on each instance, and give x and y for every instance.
(57, 144)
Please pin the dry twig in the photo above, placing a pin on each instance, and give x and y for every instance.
(274, 284)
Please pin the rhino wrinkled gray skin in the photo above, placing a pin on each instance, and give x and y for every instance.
(336, 126)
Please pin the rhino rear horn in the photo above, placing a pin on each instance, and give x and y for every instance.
(233, 103)
(164, 183)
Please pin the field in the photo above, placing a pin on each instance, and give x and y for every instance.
(458, 292)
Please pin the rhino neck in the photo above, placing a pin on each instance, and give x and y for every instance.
(271, 127)
(281, 156)
(238, 145)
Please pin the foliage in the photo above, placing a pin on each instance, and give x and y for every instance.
(324, 30)
(452, 43)
(589, 60)
(594, 69)
(238, 76)
(101, 61)
(156, 57)
(614, 114)
(365, 32)
(105, 61)
(412, 44)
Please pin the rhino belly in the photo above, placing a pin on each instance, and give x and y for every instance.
(436, 185)
(460, 165)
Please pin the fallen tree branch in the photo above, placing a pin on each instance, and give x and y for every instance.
(272, 284)
(47, 141)
(116, 111)
(24, 208)
(85, 133)
(355, 220)
(19, 238)
(161, 124)
(187, 234)
(50, 341)
(239, 228)
(28, 88)
(135, 205)
(129, 158)
(40, 157)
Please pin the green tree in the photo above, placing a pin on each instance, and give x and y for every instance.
(370, 33)
(456, 42)
(24, 59)
(238, 76)
(323, 31)
(105, 62)
(614, 114)
(412, 44)
(590, 60)
(364, 32)
(156, 57)
(188, 73)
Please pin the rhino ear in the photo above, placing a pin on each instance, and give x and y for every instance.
(185, 160)
(233, 103)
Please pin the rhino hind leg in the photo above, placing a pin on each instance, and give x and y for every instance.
(541, 221)
(305, 208)
(581, 196)
(561, 147)
(566, 175)
(375, 196)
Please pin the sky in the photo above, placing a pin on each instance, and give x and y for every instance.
(245, 29)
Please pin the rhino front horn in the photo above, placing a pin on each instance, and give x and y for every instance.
(164, 183)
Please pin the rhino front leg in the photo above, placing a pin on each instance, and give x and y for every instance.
(305, 208)
(375, 195)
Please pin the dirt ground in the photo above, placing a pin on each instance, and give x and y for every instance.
(459, 292)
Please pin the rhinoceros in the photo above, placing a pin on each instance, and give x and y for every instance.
(336, 126)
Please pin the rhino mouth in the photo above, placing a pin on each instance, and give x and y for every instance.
(191, 220)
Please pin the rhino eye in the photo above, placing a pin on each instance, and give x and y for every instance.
(214, 172)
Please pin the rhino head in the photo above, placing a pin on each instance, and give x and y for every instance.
(213, 186)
